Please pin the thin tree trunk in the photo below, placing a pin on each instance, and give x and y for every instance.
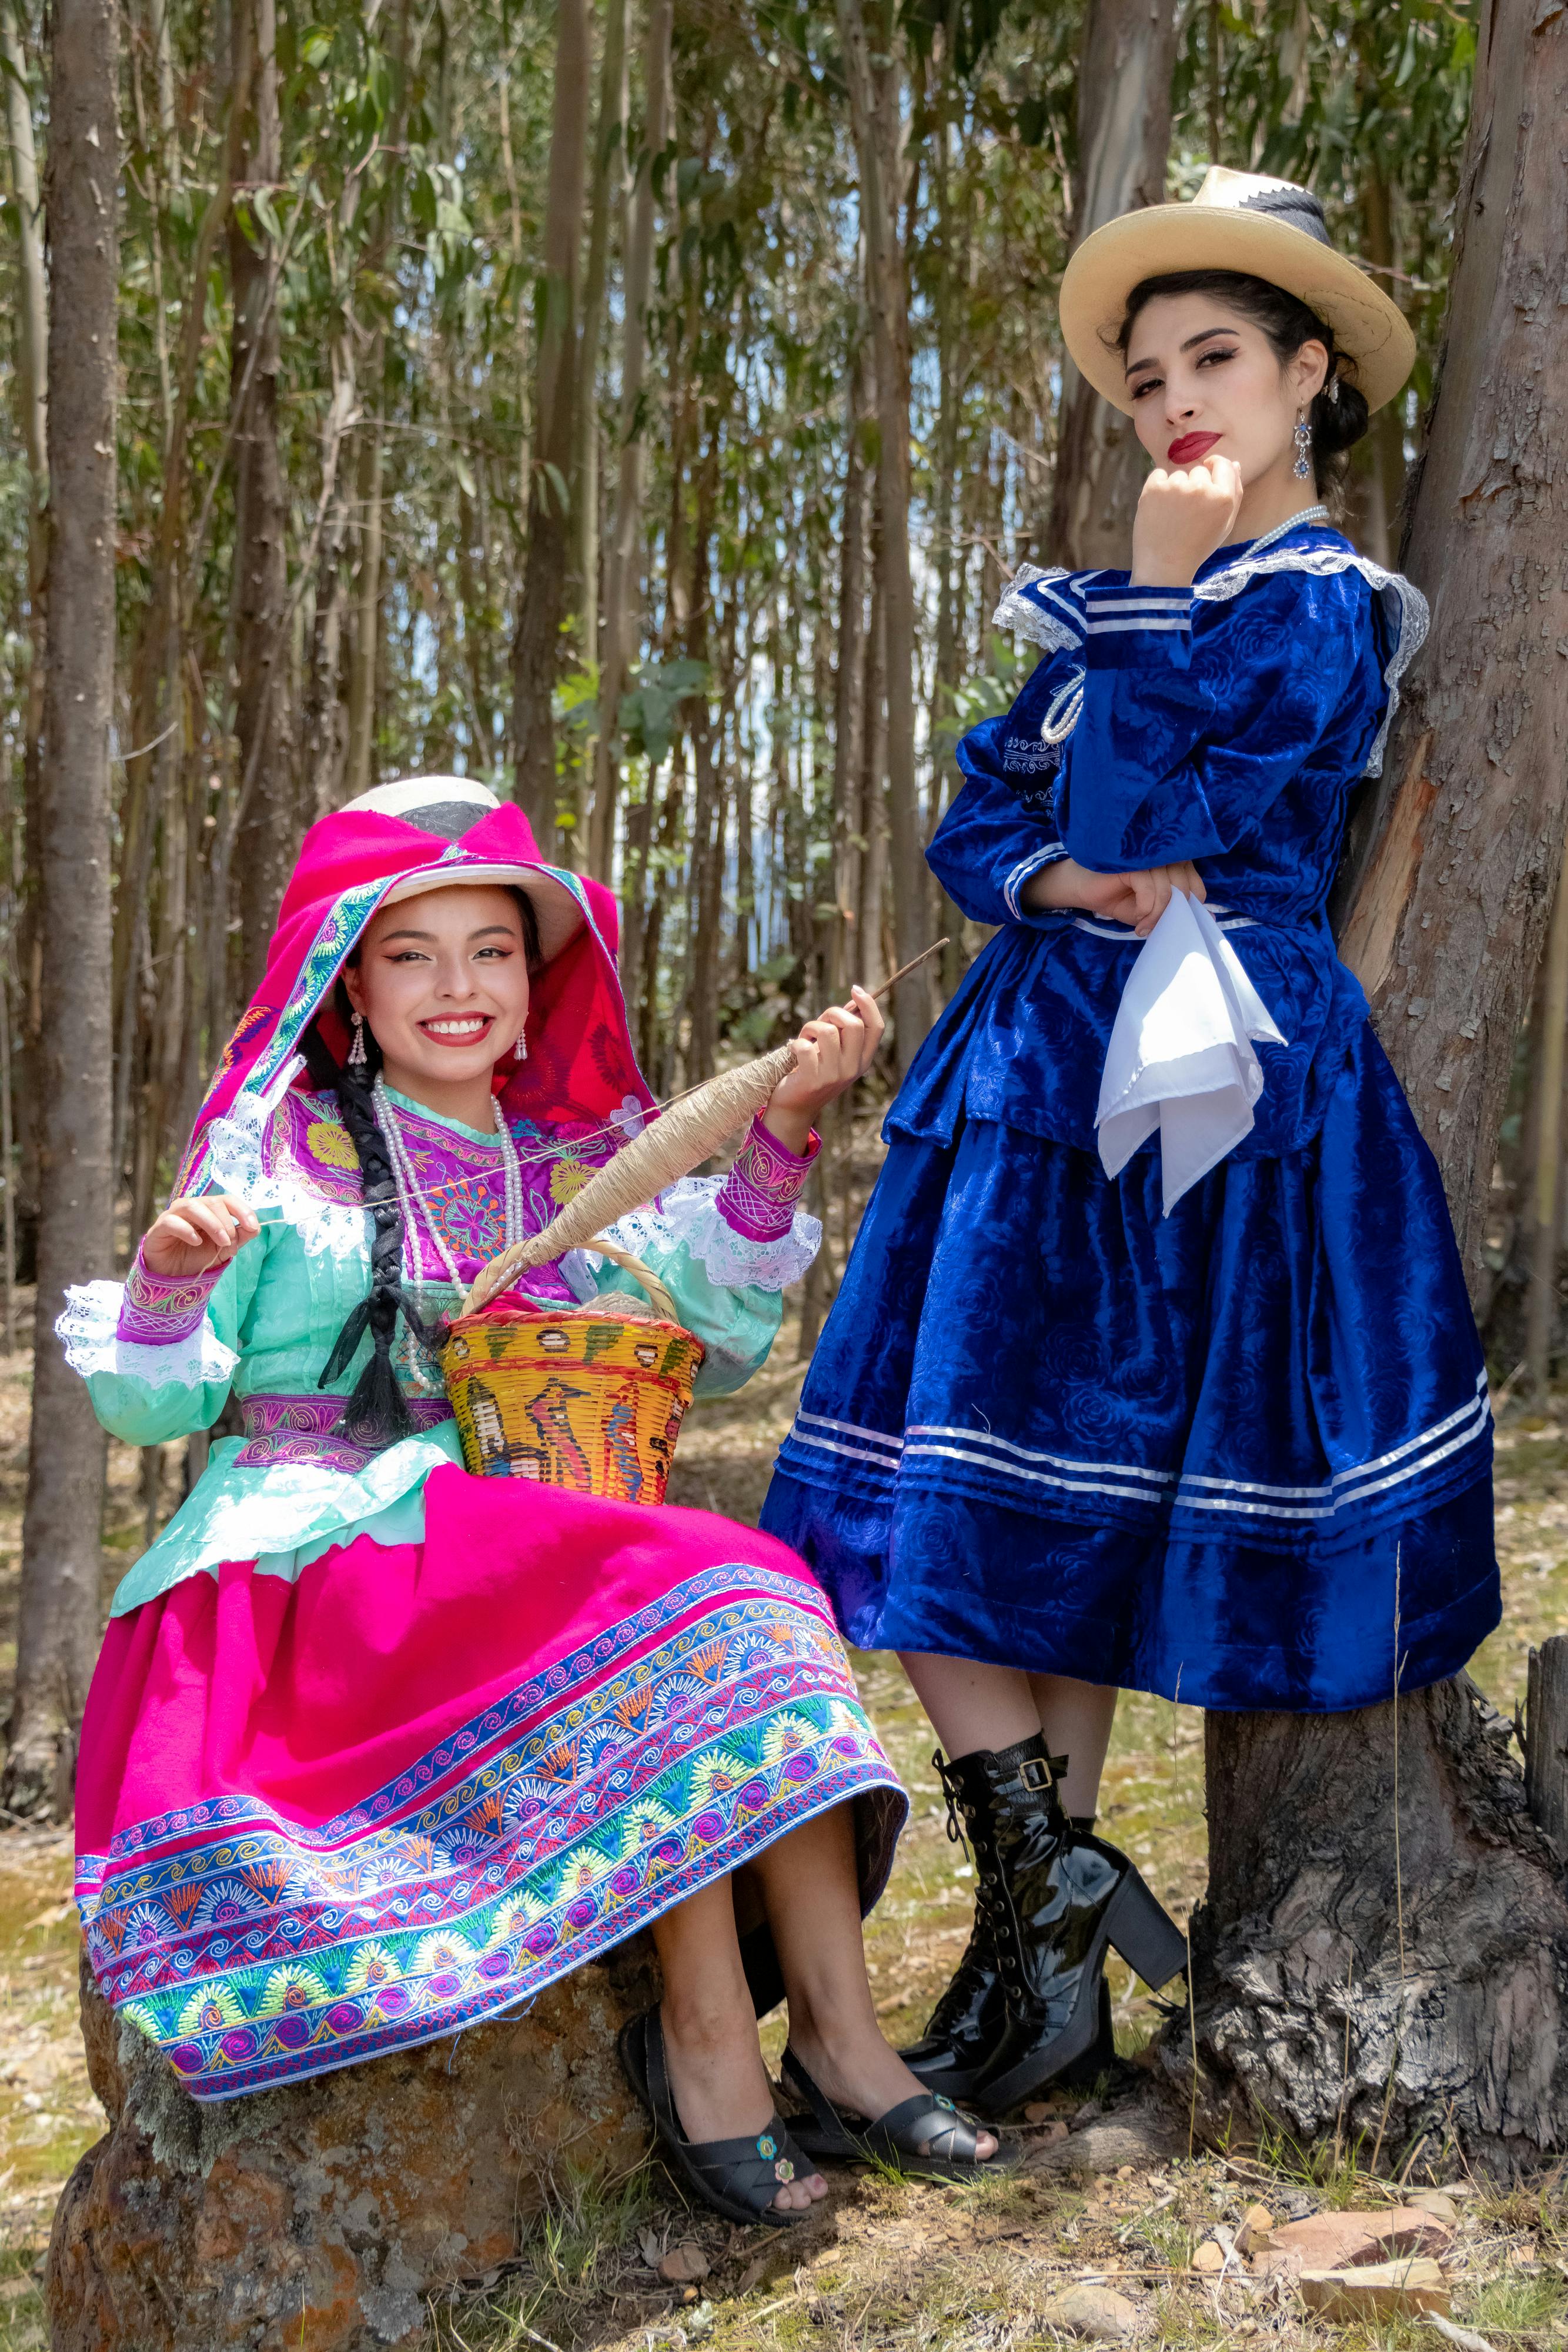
(266, 842)
(1384, 1944)
(871, 70)
(849, 690)
(365, 647)
(872, 823)
(1127, 61)
(58, 1632)
(623, 569)
(31, 389)
(536, 654)
(609, 192)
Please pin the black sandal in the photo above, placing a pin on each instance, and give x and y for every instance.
(738, 2178)
(924, 2134)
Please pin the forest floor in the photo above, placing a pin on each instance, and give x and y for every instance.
(887, 2262)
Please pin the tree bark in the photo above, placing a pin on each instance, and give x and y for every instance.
(1384, 1947)
(871, 45)
(32, 401)
(536, 653)
(62, 1524)
(609, 188)
(1123, 140)
(365, 645)
(622, 568)
(267, 836)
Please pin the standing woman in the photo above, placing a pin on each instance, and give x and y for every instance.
(376, 1748)
(1153, 1366)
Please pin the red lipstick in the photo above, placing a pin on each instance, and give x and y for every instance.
(1188, 447)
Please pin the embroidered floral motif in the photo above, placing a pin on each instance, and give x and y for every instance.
(567, 1180)
(757, 1197)
(255, 1951)
(329, 1141)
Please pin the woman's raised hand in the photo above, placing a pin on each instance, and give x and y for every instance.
(833, 1051)
(1182, 517)
(198, 1233)
(1138, 900)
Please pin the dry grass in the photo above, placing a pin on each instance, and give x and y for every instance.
(887, 2264)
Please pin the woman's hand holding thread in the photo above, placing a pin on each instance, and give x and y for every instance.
(196, 1234)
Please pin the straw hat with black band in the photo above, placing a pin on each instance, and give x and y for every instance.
(1259, 227)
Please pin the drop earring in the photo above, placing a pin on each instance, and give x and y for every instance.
(520, 1050)
(357, 1055)
(1303, 465)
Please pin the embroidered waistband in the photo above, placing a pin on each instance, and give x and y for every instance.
(305, 1429)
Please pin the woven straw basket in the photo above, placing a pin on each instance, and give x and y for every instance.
(590, 1400)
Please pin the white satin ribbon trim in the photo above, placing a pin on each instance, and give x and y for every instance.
(1180, 1057)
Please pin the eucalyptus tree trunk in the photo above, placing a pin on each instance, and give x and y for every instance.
(848, 687)
(609, 188)
(1125, 64)
(622, 568)
(871, 48)
(536, 655)
(58, 1633)
(32, 400)
(1383, 1948)
(266, 839)
(364, 645)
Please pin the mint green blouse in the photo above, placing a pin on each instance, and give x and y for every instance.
(270, 1319)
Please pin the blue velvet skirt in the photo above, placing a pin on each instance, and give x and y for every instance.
(1239, 1455)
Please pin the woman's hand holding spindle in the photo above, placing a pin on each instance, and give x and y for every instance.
(833, 1051)
(198, 1233)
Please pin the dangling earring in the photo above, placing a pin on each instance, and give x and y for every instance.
(520, 1050)
(1303, 465)
(357, 1055)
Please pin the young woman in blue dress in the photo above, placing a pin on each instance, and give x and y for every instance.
(1200, 1410)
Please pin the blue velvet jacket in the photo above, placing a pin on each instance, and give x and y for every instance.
(1226, 723)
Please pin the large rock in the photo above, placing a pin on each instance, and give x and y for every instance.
(318, 2218)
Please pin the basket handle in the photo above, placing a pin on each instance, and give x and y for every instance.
(642, 1274)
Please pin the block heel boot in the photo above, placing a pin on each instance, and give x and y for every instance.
(964, 2029)
(1055, 1899)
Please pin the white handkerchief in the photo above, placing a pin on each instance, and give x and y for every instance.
(1180, 1057)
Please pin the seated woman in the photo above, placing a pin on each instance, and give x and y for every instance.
(376, 1748)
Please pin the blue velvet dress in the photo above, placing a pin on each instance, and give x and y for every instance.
(1239, 1455)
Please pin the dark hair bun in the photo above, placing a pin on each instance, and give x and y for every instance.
(1338, 424)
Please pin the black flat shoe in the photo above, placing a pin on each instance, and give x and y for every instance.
(924, 2134)
(737, 2177)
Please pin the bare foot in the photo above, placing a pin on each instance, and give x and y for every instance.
(722, 2092)
(862, 2075)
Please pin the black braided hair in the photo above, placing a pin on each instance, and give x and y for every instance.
(377, 1412)
(1338, 416)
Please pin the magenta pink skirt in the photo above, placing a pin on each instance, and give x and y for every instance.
(325, 1818)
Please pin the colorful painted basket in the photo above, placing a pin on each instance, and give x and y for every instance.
(589, 1401)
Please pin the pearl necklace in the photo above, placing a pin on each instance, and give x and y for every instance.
(1308, 514)
(406, 1182)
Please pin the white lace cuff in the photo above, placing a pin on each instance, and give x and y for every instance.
(687, 1213)
(89, 1331)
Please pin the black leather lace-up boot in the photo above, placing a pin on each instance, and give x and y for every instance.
(1054, 1899)
(966, 2028)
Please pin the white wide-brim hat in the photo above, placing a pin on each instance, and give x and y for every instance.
(1259, 227)
(448, 806)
